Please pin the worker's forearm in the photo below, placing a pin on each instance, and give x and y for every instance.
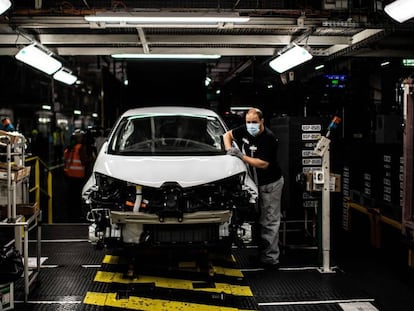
(227, 140)
(255, 162)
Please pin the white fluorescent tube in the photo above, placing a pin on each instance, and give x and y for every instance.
(167, 56)
(166, 18)
(4, 6)
(289, 59)
(65, 76)
(400, 10)
(35, 57)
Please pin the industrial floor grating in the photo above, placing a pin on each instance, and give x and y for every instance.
(67, 281)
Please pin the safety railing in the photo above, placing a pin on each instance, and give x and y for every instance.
(42, 185)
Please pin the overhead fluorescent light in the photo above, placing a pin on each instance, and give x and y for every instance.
(400, 10)
(289, 59)
(65, 76)
(166, 18)
(167, 56)
(319, 67)
(408, 62)
(4, 6)
(34, 56)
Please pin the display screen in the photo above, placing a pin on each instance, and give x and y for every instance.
(337, 81)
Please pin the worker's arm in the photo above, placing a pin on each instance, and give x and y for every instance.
(255, 162)
(228, 140)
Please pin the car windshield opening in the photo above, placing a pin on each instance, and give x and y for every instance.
(167, 134)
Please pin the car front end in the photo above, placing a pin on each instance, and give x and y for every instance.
(168, 188)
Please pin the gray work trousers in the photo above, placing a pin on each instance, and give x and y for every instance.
(269, 204)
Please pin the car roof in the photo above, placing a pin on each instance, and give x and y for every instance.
(173, 110)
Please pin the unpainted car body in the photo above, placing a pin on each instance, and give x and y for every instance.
(163, 178)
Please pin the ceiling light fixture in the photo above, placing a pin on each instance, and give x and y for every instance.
(36, 57)
(166, 18)
(400, 10)
(65, 75)
(167, 56)
(289, 59)
(408, 62)
(4, 5)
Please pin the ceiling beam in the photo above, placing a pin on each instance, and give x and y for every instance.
(143, 39)
(46, 21)
(112, 39)
(168, 50)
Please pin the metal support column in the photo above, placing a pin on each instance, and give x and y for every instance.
(322, 149)
(326, 214)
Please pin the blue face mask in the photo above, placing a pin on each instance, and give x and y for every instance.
(253, 128)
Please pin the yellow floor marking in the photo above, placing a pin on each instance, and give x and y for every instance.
(109, 259)
(104, 277)
(97, 299)
(148, 304)
(110, 277)
(111, 301)
(228, 271)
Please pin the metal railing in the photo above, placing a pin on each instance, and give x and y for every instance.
(43, 185)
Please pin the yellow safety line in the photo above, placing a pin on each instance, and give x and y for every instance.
(228, 271)
(144, 304)
(113, 277)
(97, 299)
(109, 259)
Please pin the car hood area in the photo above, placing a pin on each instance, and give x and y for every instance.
(154, 171)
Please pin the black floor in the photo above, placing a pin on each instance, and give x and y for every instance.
(364, 277)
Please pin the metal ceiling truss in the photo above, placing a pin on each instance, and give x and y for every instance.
(67, 33)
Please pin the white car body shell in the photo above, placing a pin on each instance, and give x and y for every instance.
(154, 171)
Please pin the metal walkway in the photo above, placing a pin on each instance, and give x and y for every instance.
(75, 276)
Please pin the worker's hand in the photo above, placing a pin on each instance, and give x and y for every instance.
(235, 152)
